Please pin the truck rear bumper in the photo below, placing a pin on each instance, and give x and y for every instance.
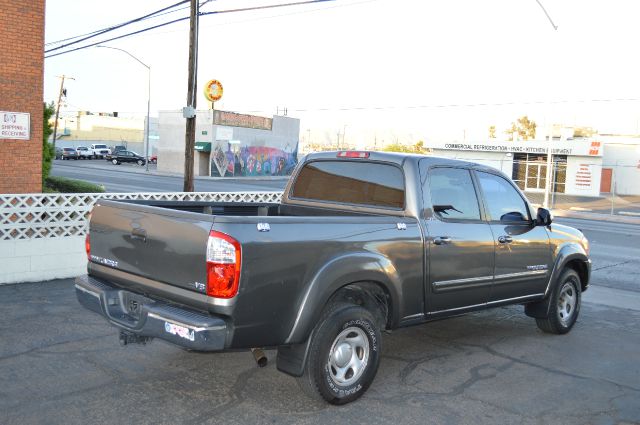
(146, 317)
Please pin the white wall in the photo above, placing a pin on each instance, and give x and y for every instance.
(497, 160)
(34, 260)
(624, 159)
(171, 129)
(583, 176)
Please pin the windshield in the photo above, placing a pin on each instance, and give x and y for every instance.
(100, 146)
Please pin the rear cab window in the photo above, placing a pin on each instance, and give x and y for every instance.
(364, 183)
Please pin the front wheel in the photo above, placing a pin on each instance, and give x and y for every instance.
(140, 162)
(343, 356)
(114, 161)
(564, 304)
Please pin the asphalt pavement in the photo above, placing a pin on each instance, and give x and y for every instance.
(60, 363)
(133, 178)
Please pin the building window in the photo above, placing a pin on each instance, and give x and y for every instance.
(530, 172)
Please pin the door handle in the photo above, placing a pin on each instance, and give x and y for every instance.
(442, 240)
(139, 233)
(505, 239)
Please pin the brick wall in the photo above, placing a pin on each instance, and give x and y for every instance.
(21, 90)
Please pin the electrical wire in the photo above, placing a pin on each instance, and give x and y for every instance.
(245, 9)
(115, 27)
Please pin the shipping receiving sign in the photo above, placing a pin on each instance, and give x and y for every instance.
(15, 125)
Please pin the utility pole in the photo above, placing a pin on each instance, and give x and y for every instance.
(55, 124)
(190, 111)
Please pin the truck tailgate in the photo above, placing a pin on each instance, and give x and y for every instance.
(161, 244)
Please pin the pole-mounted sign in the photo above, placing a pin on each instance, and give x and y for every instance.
(213, 90)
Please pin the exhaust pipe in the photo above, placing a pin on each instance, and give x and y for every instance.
(259, 356)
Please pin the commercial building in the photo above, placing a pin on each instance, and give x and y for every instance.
(581, 167)
(21, 93)
(86, 128)
(230, 144)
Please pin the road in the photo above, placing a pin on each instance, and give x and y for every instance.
(132, 178)
(62, 364)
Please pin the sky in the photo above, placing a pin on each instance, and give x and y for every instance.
(378, 70)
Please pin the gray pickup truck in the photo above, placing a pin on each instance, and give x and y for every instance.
(362, 242)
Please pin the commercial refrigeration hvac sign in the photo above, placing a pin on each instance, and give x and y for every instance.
(567, 147)
(15, 125)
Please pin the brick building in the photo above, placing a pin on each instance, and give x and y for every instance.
(21, 93)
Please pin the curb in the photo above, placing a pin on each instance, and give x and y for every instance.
(596, 216)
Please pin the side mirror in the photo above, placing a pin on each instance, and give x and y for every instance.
(514, 216)
(544, 217)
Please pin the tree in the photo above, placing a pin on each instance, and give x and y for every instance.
(48, 152)
(523, 127)
(492, 132)
(397, 147)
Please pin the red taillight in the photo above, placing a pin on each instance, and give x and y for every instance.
(353, 154)
(87, 246)
(223, 265)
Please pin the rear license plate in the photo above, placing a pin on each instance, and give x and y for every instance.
(181, 331)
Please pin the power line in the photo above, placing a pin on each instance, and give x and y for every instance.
(445, 106)
(115, 27)
(245, 9)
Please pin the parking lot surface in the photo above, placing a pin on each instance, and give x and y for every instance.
(62, 364)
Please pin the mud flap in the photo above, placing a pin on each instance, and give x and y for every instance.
(291, 359)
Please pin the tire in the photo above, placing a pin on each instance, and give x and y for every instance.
(564, 304)
(140, 162)
(343, 356)
(114, 161)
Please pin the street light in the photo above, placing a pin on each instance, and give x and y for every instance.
(148, 100)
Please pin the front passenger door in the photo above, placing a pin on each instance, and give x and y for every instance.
(523, 256)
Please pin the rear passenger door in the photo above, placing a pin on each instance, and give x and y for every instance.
(460, 246)
(523, 256)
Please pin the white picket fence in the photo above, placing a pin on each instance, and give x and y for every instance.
(42, 235)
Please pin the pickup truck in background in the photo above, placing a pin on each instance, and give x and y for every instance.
(362, 242)
(99, 151)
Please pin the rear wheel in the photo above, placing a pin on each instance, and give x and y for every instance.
(343, 356)
(114, 161)
(564, 304)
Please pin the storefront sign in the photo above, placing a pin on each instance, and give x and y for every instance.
(584, 179)
(15, 125)
(213, 90)
(567, 147)
(241, 120)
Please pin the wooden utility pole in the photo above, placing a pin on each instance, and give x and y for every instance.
(55, 124)
(190, 111)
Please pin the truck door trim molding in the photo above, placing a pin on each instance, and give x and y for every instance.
(514, 277)
(471, 282)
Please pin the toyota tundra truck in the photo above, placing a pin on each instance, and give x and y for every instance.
(361, 243)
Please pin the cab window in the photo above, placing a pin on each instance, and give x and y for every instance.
(502, 201)
(453, 195)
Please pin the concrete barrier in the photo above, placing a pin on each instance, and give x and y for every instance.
(42, 235)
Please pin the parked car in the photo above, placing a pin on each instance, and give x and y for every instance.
(58, 153)
(361, 242)
(83, 152)
(118, 148)
(125, 156)
(153, 159)
(99, 150)
(69, 153)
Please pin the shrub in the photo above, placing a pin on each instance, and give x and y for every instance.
(65, 185)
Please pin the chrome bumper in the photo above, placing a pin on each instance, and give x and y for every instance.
(146, 317)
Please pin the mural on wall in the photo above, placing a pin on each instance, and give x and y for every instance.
(252, 161)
